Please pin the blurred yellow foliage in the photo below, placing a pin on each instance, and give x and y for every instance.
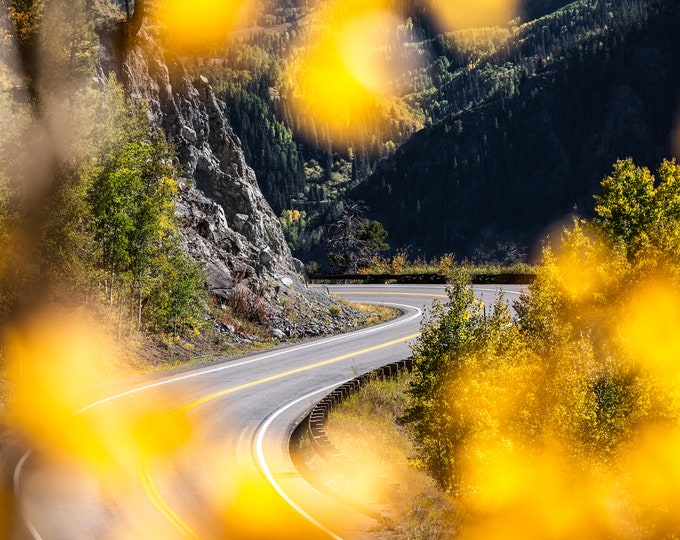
(459, 14)
(651, 324)
(651, 479)
(342, 79)
(199, 25)
(56, 361)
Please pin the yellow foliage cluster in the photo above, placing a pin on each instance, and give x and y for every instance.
(461, 14)
(24, 20)
(292, 217)
(565, 423)
(400, 263)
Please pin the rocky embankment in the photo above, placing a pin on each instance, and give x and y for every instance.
(226, 223)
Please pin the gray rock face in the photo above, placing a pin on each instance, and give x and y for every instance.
(208, 149)
(226, 223)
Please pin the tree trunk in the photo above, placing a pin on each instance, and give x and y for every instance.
(139, 311)
(111, 285)
(135, 22)
(120, 310)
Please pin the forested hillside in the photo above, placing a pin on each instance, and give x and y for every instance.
(298, 164)
(88, 221)
(511, 125)
(532, 120)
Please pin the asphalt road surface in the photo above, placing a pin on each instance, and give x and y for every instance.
(204, 454)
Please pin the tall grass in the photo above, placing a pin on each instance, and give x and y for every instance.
(382, 474)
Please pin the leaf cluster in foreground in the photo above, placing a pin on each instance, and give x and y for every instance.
(561, 422)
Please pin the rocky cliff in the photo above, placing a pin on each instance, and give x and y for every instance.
(226, 223)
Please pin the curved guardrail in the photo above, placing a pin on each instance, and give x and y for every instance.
(311, 428)
(314, 422)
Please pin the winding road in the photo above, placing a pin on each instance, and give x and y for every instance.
(204, 454)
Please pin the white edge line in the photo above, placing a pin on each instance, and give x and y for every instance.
(265, 468)
(17, 479)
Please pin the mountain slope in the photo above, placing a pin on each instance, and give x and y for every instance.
(511, 165)
(453, 74)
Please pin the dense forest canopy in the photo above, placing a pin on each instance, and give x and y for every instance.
(527, 125)
(560, 65)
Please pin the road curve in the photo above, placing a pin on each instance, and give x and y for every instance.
(203, 454)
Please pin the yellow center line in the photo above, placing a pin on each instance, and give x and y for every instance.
(284, 374)
(157, 500)
(147, 481)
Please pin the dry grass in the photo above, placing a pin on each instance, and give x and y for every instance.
(376, 314)
(381, 475)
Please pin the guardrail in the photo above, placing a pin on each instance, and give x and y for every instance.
(424, 278)
(371, 279)
(312, 428)
(314, 423)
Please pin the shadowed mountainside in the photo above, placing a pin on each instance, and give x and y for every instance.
(507, 168)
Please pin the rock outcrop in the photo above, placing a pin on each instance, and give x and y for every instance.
(226, 223)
